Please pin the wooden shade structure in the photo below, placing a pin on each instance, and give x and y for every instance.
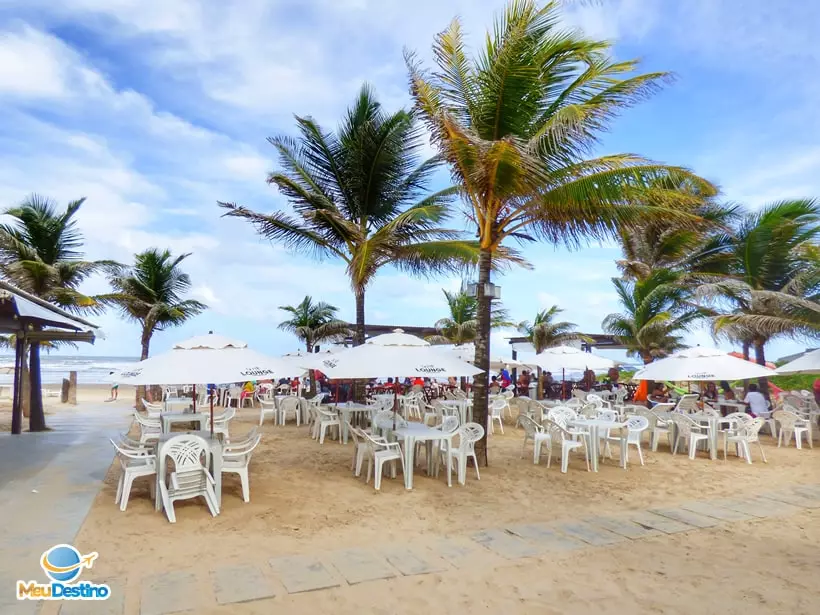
(31, 319)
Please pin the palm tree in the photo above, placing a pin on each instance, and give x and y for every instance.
(151, 292)
(40, 253)
(516, 124)
(768, 276)
(313, 323)
(543, 333)
(360, 195)
(656, 312)
(461, 325)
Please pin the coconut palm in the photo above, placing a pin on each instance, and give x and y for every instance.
(40, 253)
(151, 293)
(656, 313)
(543, 333)
(360, 195)
(516, 124)
(461, 325)
(313, 323)
(768, 277)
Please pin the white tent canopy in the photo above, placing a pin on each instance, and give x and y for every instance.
(809, 363)
(699, 363)
(207, 359)
(397, 338)
(568, 359)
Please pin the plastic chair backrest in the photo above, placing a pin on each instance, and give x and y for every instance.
(449, 424)
(469, 434)
(289, 404)
(637, 423)
(530, 426)
(187, 452)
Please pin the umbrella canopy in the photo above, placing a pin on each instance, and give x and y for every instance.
(701, 363)
(569, 359)
(397, 338)
(207, 359)
(809, 363)
(374, 360)
(739, 355)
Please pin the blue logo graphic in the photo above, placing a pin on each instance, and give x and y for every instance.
(64, 564)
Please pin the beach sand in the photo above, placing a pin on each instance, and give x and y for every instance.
(304, 500)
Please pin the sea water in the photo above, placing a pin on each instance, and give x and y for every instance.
(90, 370)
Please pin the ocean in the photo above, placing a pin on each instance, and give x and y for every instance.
(90, 370)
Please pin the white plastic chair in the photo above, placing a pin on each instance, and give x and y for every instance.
(221, 423)
(556, 432)
(381, 452)
(635, 425)
(496, 410)
(232, 395)
(325, 420)
(361, 449)
(746, 434)
(288, 405)
(792, 423)
(690, 432)
(660, 425)
(532, 431)
(687, 403)
(135, 462)
(150, 428)
(152, 410)
(593, 398)
(468, 435)
(190, 478)
(267, 407)
(235, 459)
(508, 396)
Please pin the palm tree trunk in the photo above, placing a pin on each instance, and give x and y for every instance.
(482, 353)
(146, 346)
(539, 393)
(359, 338)
(17, 397)
(746, 345)
(760, 359)
(37, 418)
(311, 372)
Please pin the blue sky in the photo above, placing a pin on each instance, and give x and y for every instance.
(156, 109)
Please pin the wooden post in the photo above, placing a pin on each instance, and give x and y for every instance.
(72, 388)
(64, 391)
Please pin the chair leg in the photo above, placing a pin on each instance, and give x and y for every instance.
(692, 448)
(246, 488)
(377, 480)
(747, 451)
(119, 488)
(323, 429)
(762, 454)
(126, 491)
(640, 453)
(564, 459)
(475, 463)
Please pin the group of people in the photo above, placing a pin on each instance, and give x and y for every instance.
(755, 401)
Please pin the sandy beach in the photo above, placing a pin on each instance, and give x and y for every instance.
(304, 500)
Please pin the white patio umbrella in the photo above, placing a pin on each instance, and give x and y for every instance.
(700, 363)
(809, 363)
(211, 359)
(397, 338)
(570, 359)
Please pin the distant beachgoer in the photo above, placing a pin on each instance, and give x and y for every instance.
(711, 392)
(495, 387)
(115, 389)
(659, 394)
(756, 401)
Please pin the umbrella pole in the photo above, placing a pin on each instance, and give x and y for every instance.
(563, 382)
(212, 416)
(194, 398)
(395, 401)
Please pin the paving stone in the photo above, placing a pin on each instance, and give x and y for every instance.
(499, 541)
(457, 553)
(657, 522)
(241, 584)
(714, 510)
(758, 507)
(623, 527)
(809, 491)
(410, 562)
(170, 592)
(113, 605)
(359, 565)
(545, 538)
(302, 573)
(686, 516)
(589, 533)
(793, 498)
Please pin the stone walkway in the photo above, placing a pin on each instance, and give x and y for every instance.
(48, 482)
(190, 590)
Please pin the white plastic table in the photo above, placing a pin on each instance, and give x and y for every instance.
(346, 410)
(416, 432)
(177, 402)
(169, 418)
(593, 441)
(214, 461)
(714, 423)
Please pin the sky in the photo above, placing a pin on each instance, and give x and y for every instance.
(154, 110)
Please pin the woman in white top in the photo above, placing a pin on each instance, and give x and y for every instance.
(756, 401)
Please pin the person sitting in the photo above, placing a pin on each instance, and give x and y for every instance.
(247, 391)
(758, 406)
(728, 393)
(495, 386)
(659, 394)
(711, 392)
